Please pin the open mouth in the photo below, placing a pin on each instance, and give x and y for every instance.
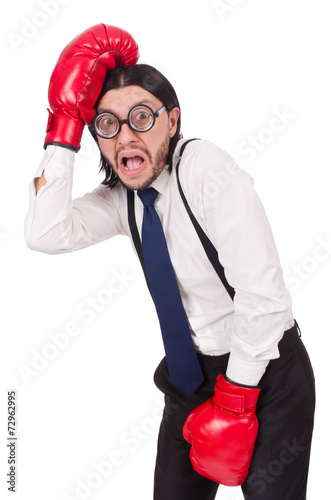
(132, 162)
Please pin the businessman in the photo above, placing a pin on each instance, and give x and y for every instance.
(238, 383)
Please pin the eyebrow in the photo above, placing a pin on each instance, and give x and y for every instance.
(147, 102)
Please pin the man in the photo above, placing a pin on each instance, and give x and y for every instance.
(238, 384)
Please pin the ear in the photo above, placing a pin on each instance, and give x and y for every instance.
(173, 119)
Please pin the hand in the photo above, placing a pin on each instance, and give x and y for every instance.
(222, 432)
(77, 80)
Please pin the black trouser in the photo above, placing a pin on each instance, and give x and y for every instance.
(285, 411)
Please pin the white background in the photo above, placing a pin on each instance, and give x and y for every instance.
(233, 63)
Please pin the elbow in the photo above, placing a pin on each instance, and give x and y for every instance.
(40, 245)
(43, 244)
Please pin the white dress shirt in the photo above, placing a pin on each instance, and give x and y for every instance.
(223, 199)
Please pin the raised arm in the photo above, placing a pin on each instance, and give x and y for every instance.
(54, 223)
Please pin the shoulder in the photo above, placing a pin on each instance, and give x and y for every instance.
(206, 167)
(200, 150)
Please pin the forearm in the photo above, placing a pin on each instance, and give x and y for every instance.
(39, 182)
(258, 326)
(55, 223)
(50, 202)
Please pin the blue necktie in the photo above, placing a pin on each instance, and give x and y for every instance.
(182, 361)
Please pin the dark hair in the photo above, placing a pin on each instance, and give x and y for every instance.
(153, 81)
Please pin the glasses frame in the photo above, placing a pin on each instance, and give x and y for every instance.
(97, 118)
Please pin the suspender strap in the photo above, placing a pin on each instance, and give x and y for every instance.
(206, 243)
(209, 248)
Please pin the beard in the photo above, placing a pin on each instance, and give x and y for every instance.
(158, 162)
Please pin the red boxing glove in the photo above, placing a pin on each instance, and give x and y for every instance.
(222, 432)
(77, 80)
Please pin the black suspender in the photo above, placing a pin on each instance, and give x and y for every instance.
(206, 243)
(209, 248)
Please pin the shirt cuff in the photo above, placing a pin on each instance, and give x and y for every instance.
(245, 372)
(57, 162)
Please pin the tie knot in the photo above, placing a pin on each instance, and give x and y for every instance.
(148, 196)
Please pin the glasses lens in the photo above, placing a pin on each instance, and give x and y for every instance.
(141, 118)
(106, 124)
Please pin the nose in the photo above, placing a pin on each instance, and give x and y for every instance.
(126, 135)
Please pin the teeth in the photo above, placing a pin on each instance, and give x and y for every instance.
(134, 164)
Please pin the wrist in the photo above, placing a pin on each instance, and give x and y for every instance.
(235, 398)
(245, 371)
(239, 384)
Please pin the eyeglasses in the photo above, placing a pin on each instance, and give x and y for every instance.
(141, 118)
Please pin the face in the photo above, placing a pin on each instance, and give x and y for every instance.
(146, 151)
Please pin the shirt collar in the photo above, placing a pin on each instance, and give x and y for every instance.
(161, 184)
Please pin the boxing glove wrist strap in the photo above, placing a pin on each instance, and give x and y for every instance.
(64, 129)
(234, 398)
